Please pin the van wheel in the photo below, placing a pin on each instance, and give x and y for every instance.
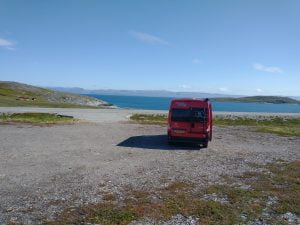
(205, 144)
(170, 142)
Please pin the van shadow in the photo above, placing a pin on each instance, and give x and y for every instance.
(156, 142)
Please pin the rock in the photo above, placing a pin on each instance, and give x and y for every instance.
(175, 220)
(272, 200)
(146, 221)
(244, 217)
(291, 218)
(182, 220)
(9, 209)
(256, 222)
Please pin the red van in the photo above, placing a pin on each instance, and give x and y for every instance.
(190, 120)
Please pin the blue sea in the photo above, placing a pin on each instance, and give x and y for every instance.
(162, 103)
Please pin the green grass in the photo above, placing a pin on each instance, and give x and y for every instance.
(40, 103)
(158, 119)
(36, 118)
(280, 181)
(111, 215)
(14, 97)
(281, 131)
(240, 121)
(277, 125)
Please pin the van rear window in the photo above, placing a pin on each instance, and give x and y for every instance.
(181, 115)
(189, 115)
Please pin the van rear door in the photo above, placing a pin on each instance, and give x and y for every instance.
(189, 120)
(198, 120)
(180, 120)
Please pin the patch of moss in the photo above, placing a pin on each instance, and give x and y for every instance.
(111, 215)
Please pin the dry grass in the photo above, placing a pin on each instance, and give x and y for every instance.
(280, 181)
(158, 119)
(36, 118)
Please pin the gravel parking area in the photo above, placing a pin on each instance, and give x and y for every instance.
(45, 169)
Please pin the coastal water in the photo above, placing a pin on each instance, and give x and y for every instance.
(162, 103)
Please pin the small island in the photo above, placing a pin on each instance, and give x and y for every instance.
(260, 99)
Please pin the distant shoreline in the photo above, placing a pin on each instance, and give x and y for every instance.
(162, 103)
(251, 99)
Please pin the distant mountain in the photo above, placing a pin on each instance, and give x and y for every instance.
(148, 93)
(18, 94)
(163, 93)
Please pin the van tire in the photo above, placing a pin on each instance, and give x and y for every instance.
(205, 144)
(170, 141)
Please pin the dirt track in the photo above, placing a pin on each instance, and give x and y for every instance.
(44, 169)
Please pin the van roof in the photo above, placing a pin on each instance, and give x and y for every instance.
(189, 100)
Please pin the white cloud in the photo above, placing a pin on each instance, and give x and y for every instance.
(148, 38)
(185, 86)
(196, 61)
(259, 90)
(268, 69)
(224, 89)
(4, 43)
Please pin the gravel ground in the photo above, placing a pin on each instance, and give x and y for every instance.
(44, 169)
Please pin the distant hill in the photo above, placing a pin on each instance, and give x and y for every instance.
(260, 99)
(18, 94)
(146, 93)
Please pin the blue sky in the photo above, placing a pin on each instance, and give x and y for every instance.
(247, 47)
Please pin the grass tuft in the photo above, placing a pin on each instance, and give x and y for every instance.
(178, 186)
(158, 119)
(36, 118)
(111, 215)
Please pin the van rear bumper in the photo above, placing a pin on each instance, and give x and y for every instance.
(187, 139)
